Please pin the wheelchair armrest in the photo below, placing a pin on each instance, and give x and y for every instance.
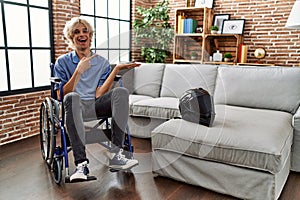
(55, 80)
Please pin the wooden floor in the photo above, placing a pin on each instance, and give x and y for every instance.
(24, 175)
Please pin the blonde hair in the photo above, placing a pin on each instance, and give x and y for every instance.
(69, 28)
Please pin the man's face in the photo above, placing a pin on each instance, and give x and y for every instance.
(81, 37)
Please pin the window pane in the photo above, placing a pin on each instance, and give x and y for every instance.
(43, 3)
(101, 8)
(19, 1)
(114, 34)
(103, 53)
(87, 7)
(113, 9)
(19, 67)
(41, 68)
(17, 30)
(101, 33)
(124, 35)
(3, 75)
(125, 9)
(124, 56)
(40, 32)
(1, 28)
(114, 56)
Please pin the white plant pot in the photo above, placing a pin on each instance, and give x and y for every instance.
(213, 32)
(227, 59)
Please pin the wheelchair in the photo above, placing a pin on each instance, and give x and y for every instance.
(52, 128)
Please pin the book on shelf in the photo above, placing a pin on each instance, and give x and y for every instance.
(189, 25)
(179, 24)
(186, 25)
(242, 53)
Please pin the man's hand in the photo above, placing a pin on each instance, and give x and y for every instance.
(85, 64)
(127, 65)
(109, 81)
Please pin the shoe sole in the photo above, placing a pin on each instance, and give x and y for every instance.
(76, 180)
(123, 167)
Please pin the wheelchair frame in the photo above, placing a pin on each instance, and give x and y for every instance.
(52, 120)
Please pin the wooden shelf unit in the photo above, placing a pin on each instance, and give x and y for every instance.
(241, 64)
(256, 64)
(185, 43)
(225, 43)
(204, 43)
(202, 15)
(219, 63)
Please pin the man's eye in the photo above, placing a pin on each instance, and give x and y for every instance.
(76, 31)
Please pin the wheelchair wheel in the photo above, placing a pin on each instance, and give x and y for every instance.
(47, 131)
(57, 170)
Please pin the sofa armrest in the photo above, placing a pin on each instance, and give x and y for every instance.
(296, 142)
(296, 119)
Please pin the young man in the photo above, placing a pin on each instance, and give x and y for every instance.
(87, 80)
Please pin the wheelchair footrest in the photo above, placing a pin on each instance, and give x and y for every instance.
(114, 170)
(89, 178)
(121, 170)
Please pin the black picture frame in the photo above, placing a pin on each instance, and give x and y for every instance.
(219, 19)
(233, 26)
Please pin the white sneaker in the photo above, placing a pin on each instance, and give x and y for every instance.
(81, 172)
(120, 162)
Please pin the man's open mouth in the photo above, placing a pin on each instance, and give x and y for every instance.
(81, 40)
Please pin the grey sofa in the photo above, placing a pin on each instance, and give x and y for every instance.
(254, 141)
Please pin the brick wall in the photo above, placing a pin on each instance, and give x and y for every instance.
(19, 116)
(265, 20)
(264, 27)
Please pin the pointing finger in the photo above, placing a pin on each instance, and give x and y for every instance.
(91, 57)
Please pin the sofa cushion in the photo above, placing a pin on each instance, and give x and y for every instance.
(134, 98)
(162, 108)
(275, 88)
(147, 79)
(179, 78)
(252, 138)
(141, 127)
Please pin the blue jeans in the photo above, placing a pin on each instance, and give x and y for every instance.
(112, 104)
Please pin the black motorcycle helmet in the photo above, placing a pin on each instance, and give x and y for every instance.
(196, 105)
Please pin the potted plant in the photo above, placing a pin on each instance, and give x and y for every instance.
(214, 29)
(227, 57)
(153, 32)
(193, 55)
